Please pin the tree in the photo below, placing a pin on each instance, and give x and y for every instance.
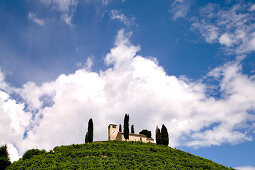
(89, 134)
(164, 138)
(126, 126)
(4, 157)
(146, 133)
(120, 128)
(132, 129)
(157, 135)
(90, 131)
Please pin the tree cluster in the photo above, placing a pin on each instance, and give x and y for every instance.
(162, 136)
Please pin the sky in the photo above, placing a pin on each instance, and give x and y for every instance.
(187, 64)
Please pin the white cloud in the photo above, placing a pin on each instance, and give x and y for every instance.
(13, 123)
(231, 27)
(209, 32)
(61, 5)
(179, 9)
(67, 8)
(226, 39)
(35, 19)
(140, 87)
(87, 65)
(245, 168)
(115, 14)
(13, 153)
(105, 2)
(252, 8)
(123, 52)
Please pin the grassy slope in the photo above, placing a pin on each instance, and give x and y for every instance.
(116, 155)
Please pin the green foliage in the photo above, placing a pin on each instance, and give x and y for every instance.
(116, 155)
(164, 138)
(4, 157)
(132, 129)
(30, 153)
(90, 131)
(146, 133)
(126, 126)
(157, 132)
(120, 128)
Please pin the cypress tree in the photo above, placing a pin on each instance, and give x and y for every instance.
(120, 129)
(86, 138)
(164, 138)
(90, 131)
(132, 129)
(4, 157)
(126, 126)
(157, 135)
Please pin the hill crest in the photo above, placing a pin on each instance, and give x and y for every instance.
(116, 155)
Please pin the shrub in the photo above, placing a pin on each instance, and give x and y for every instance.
(30, 153)
(146, 133)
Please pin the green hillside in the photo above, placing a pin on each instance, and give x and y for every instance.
(115, 155)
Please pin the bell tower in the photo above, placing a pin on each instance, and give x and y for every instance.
(112, 132)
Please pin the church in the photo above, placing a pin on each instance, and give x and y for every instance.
(114, 134)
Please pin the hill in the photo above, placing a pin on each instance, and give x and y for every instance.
(115, 155)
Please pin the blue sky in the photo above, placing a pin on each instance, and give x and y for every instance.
(187, 64)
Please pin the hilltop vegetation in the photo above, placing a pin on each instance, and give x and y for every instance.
(115, 155)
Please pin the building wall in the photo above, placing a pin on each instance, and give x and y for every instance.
(120, 137)
(112, 132)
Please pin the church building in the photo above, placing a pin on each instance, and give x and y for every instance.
(113, 134)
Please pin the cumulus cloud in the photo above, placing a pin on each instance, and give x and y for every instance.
(57, 112)
(115, 14)
(231, 27)
(67, 8)
(35, 19)
(13, 123)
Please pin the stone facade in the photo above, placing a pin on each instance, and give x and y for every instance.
(113, 134)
